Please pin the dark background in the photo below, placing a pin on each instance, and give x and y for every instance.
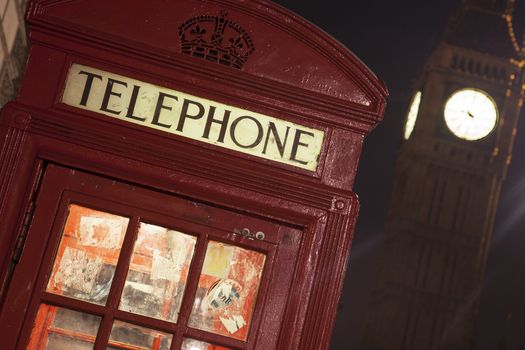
(394, 38)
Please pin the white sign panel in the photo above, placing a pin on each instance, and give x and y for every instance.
(193, 117)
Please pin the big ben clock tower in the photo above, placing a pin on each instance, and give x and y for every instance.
(457, 146)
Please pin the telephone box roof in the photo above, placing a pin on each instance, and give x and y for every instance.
(267, 45)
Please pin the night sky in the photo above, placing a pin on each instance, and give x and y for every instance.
(394, 38)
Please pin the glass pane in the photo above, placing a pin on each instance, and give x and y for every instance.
(227, 290)
(158, 272)
(129, 336)
(192, 344)
(88, 253)
(56, 328)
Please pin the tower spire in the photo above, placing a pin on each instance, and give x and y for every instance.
(485, 26)
(498, 6)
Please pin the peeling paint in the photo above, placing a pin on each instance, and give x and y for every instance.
(165, 268)
(102, 232)
(233, 324)
(78, 270)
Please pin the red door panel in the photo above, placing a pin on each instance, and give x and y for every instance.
(109, 265)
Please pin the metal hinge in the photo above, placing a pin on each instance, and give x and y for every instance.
(28, 218)
(21, 240)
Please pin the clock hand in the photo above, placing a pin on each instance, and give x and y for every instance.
(470, 114)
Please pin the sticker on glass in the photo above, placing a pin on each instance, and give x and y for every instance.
(227, 290)
(223, 293)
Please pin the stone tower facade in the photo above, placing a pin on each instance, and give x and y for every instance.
(447, 185)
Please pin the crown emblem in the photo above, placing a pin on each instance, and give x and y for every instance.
(216, 39)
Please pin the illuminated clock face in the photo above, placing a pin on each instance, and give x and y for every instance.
(412, 115)
(470, 114)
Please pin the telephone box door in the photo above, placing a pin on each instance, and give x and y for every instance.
(108, 265)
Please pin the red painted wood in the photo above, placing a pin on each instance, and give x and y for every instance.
(126, 200)
(288, 49)
(296, 73)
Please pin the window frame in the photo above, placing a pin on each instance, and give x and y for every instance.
(95, 192)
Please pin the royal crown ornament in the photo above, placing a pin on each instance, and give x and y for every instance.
(216, 39)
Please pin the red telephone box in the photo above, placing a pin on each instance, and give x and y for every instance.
(178, 175)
